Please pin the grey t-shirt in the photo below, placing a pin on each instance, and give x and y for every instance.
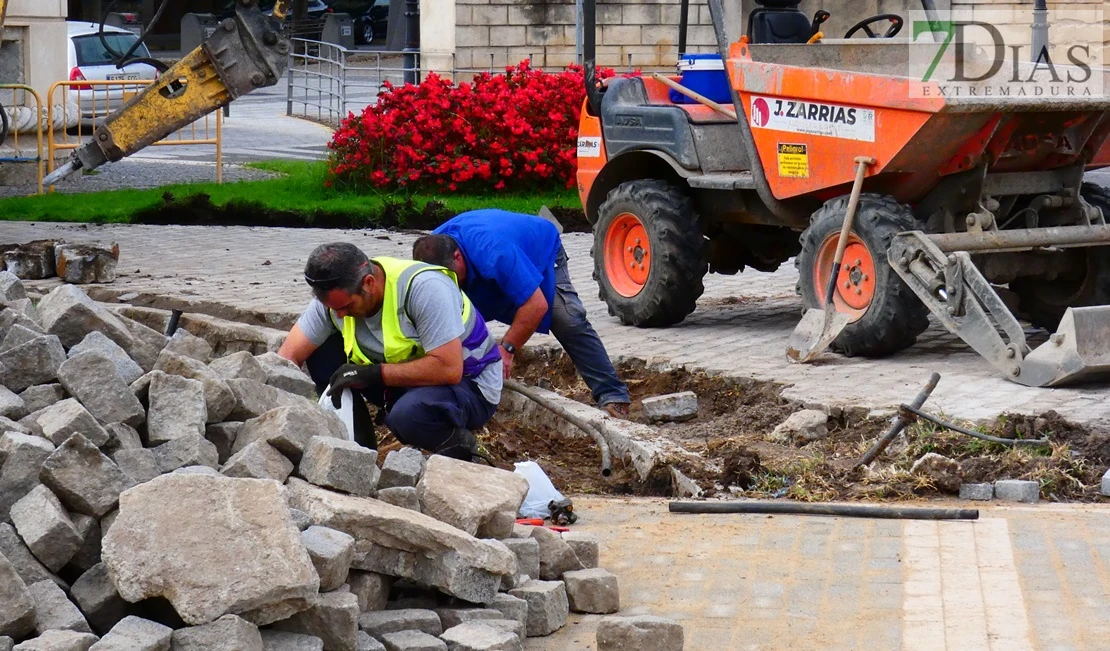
(435, 307)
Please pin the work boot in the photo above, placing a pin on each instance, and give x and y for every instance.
(617, 409)
(462, 444)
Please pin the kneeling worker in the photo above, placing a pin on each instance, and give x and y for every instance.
(401, 334)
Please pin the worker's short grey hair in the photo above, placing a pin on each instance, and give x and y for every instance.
(436, 249)
(336, 265)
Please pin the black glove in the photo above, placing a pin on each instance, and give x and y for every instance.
(354, 376)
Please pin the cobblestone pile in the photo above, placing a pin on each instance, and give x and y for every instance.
(152, 497)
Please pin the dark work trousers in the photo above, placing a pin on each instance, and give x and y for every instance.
(423, 417)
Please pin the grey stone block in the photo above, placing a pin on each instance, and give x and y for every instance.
(68, 417)
(11, 405)
(1104, 488)
(367, 643)
(371, 588)
(519, 629)
(674, 407)
(59, 641)
(32, 260)
(402, 496)
(53, 611)
(592, 591)
(331, 552)
(7, 643)
(454, 575)
(70, 314)
(89, 553)
(383, 622)
(121, 437)
(289, 429)
(11, 316)
(527, 552)
(198, 470)
(285, 375)
(1017, 490)
(341, 465)
(286, 641)
(228, 633)
(412, 641)
(252, 399)
(46, 528)
(191, 450)
(26, 565)
(585, 547)
(138, 465)
(18, 335)
(35, 362)
(83, 478)
(477, 636)
(802, 427)
(136, 634)
(218, 396)
(187, 344)
(239, 366)
(510, 607)
(556, 556)
(332, 617)
(23, 455)
(82, 264)
(178, 408)
(402, 468)
(481, 500)
(259, 460)
(451, 616)
(96, 596)
(146, 344)
(127, 368)
(11, 287)
(222, 435)
(639, 632)
(548, 606)
(17, 607)
(982, 492)
(301, 519)
(41, 396)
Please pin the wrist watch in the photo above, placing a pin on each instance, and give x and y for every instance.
(509, 347)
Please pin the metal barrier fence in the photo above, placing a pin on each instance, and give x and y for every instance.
(326, 81)
(96, 100)
(14, 127)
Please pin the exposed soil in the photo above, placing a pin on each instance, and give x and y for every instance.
(732, 434)
(198, 210)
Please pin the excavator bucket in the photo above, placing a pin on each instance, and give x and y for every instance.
(1079, 351)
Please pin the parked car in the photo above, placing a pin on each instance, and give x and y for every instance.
(90, 61)
(372, 23)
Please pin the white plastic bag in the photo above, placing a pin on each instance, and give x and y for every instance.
(541, 491)
(345, 411)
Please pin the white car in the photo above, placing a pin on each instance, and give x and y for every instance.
(90, 61)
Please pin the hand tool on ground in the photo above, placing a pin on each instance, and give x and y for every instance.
(562, 512)
(899, 423)
(842, 510)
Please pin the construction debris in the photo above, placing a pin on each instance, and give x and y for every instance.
(673, 407)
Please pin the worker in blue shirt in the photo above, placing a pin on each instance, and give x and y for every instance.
(513, 268)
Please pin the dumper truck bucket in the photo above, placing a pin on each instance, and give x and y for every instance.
(1079, 351)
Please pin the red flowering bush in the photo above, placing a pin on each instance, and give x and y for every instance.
(516, 130)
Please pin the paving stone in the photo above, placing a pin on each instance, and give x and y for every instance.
(89, 553)
(26, 565)
(178, 408)
(802, 427)
(11, 405)
(191, 450)
(384, 560)
(83, 264)
(11, 287)
(17, 607)
(240, 365)
(289, 429)
(136, 634)
(31, 363)
(273, 640)
(23, 456)
(187, 344)
(383, 622)
(228, 633)
(518, 629)
(510, 607)
(1104, 488)
(198, 470)
(25, 425)
(451, 616)
(26, 307)
(14, 313)
(68, 417)
(17, 335)
(253, 398)
(527, 552)
(478, 499)
(585, 547)
(1017, 490)
(146, 344)
(367, 643)
(983, 492)
(7, 643)
(476, 636)
(556, 556)
(285, 375)
(402, 468)
(69, 313)
(31, 260)
(41, 396)
(402, 496)
(59, 641)
(943, 472)
(639, 632)
(98, 342)
(222, 435)
(332, 617)
(673, 407)
(198, 521)
(340, 464)
(96, 596)
(46, 528)
(218, 396)
(412, 641)
(259, 460)
(54, 611)
(301, 519)
(121, 437)
(331, 552)
(139, 466)
(83, 478)
(592, 591)
(548, 606)
(371, 588)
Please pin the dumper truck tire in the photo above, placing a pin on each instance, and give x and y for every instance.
(1044, 302)
(886, 315)
(649, 254)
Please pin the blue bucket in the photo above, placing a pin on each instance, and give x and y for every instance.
(703, 74)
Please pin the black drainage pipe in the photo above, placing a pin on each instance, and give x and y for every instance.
(842, 510)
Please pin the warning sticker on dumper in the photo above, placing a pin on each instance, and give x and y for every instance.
(793, 161)
(813, 118)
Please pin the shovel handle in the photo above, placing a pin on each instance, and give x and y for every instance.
(862, 163)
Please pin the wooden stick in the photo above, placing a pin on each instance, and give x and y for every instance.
(701, 99)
